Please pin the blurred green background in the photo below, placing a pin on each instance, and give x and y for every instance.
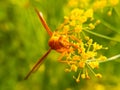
(23, 40)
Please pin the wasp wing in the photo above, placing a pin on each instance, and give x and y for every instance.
(38, 63)
(44, 22)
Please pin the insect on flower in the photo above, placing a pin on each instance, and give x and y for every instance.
(58, 42)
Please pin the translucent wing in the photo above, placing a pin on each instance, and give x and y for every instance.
(43, 22)
(38, 63)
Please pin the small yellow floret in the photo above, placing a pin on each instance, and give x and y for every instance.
(99, 4)
(87, 38)
(102, 58)
(76, 57)
(98, 75)
(74, 68)
(97, 46)
(83, 76)
(72, 23)
(109, 13)
(66, 19)
(81, 64)
(78, 28)
(67, 70)
(89, 13)
(97, 22)
(66, 28)
(76, 13)
(114, 2)
(94, 64)
(92, 26)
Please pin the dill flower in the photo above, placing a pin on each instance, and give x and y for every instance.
(82, 54)
(99, 4)
(78, 3)
(80, 51)
(113, 2)
(93, 5)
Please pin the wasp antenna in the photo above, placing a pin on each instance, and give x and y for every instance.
(38, 63)
(43, 22)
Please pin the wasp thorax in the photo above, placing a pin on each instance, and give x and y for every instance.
(59, 43)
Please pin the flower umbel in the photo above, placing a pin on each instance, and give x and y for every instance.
(82, 55)
(96, 5)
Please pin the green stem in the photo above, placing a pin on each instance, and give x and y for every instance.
(102, 61)
(117, 11)
(90, 69)
(100, 35)
(107, 24)
(111, 58)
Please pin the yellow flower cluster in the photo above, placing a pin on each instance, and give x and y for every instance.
(78, 3)
(82, 55)
(94, 4)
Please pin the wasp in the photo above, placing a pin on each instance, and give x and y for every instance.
(58, 42)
